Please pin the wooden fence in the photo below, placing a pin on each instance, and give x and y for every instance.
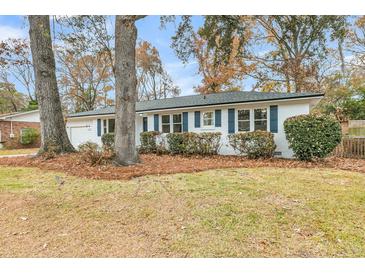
(351, 148)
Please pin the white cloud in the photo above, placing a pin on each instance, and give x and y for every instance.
(12, 32)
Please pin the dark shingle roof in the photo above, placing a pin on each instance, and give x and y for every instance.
(203, 100)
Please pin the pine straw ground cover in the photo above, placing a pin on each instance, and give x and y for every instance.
(245, 212)
(166, 164)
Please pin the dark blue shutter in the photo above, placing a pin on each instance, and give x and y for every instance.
(231, 121)
(156, 126)
(274, 119)
(98, 128)
(185, 121)
(218, 118)
(197, 118)
(145, 125)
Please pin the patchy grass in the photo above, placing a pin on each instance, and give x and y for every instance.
(6, 152)
(253, 212)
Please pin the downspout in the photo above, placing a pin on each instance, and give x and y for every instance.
(11, 128)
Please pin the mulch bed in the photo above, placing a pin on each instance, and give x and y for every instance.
(167, 164)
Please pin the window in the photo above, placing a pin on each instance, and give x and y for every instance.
(165, 123)
(244, 120)
(105, 126)
(108, 126)
(111, 125)
(176, 119)
(145, 124)
(208, 119)
(261, 119)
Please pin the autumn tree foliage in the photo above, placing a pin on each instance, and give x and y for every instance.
(10, 99)
(217, 75)
(297, 49)
(153, 81)
(218, 47)
(356, 44)
(87, 43)
(85, 80)
(293, 48)
(16, 61)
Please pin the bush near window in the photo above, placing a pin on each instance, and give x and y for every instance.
(149, 142)
(28, 136)
(255, 144)
(188, 143)
(209, 143)
(312, 136)
(108, 141)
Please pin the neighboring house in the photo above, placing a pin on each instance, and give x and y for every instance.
(225, 112)
(12, 125)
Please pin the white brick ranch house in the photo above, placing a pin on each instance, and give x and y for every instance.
(225, 112)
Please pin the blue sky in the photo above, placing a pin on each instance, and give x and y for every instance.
(185, 76)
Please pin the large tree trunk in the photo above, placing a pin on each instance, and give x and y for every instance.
(125, 90)
(53, 132)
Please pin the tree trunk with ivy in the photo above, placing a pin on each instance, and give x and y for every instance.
(125, 90)
(53, 131)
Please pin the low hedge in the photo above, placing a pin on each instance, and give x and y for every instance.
(311, 136)
(149, 142)
(255, 144)
(189, 143)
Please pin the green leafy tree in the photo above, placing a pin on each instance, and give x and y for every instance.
(344, 97)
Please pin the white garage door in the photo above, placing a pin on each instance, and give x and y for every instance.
(80, 135)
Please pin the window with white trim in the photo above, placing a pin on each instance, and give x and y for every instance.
(208, 118)
(111, 125)
(176, 120)
(243, 120)
(165, 123)
(108, 126)
(260, 119)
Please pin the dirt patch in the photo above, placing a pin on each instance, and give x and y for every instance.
(167, 164)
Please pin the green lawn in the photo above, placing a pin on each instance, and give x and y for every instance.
(4, 152)
(263, 212)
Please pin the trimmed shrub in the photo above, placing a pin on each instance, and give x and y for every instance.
(108, 141)
(29, 136)
(149, 142)
(176, 142)
(188, 143)
(255, 144)
(312, 136)
(209, 143)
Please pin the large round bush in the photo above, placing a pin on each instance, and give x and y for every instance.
(255, 144)
(149, 141)
(29, 136)
(312, 136)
